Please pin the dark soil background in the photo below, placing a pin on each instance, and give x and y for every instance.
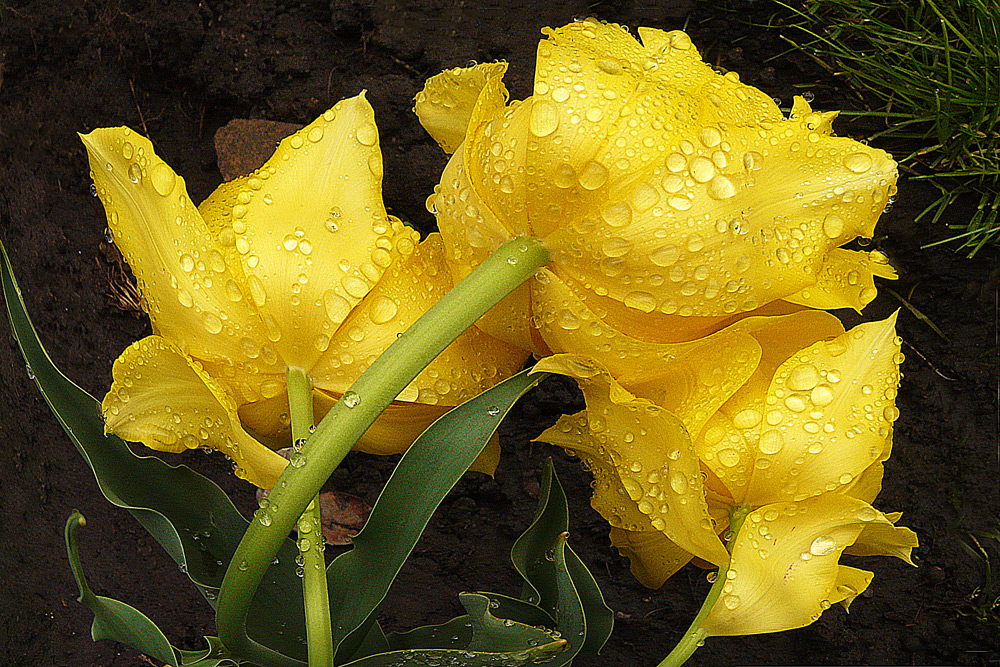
(177, 70)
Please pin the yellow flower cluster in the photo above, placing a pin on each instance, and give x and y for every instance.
(295, 265)
(695, 232)
(696, 236)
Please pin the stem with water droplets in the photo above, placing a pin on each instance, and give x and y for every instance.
(512, 264)
(695, 635)
(319, 633)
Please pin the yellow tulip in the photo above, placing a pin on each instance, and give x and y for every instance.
(793, 424)
(662, 188)
(296, 265)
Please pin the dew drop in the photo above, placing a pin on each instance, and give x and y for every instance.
(721, 187)
(544, 118)
(352, 399)
(859, 163)
(592, 176)
(163, 178)
(823, 545)
(833, 226)
(702, 169)
(610, 66)
(367, 134)
(770, 442)
(803, 377)
(212, 323)
(383, 309)
(640, 300)
(134, 172)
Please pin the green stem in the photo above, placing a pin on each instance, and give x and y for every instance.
(695, 635)
(512, 264)
(319, 633)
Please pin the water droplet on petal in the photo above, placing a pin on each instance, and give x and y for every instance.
(770, 442)
(162, 178)
(134, 172)
(367, 133)
(823, 545)
(859, 163)
(544, 118)
(721, 187)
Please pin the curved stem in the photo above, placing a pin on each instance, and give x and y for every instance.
(512, 264)
(319, 633)
(695, 635)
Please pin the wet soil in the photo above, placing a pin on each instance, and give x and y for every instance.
(177, 70)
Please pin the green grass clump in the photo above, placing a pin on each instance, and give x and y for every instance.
(934, 67)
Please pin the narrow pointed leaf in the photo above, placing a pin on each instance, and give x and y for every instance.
(186, 513)
(360, 578)
(123, 623)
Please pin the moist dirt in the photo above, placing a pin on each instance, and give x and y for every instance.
(178, 70)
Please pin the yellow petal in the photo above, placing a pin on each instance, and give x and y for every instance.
(653, 557)
(828, 416)
(309, 229)
(414, 281)
(727, 444)
(605, 112)
(652, 454)
(688, 216)
(851, 582)
(846, 280)
(610, 499)
(784, 571)
(190, 293)
(445, 104)
(165, 400)
(689, 379)
(886, 539)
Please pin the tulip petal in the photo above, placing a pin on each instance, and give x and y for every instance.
(610, 499)
(829, 414)
(846, 280)
(886, 539)
(416, 279)
(309, 229)
(652, 454)
(445, 105)
(851, 582)
(727, 444)
(189, 291)
(165, 400)
(477, 184)
(652, 556)
(689, 379)
(784, 569)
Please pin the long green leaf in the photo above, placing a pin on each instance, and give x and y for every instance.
(360, 578)
(558, 586)
(120, 622)
(186, 513)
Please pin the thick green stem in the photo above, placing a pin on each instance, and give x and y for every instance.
(695, 635)
(512, 264)
(319, 633)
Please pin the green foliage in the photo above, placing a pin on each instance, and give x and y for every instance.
(984, 602)
(562, 616)
(932, 65)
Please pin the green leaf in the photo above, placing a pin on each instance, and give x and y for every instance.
(359, 579)
(478, 639)
(566, 599)
(120, 622)
(548, 583)
(186, 513)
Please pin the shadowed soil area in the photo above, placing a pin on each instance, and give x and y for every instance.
(177, 71)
